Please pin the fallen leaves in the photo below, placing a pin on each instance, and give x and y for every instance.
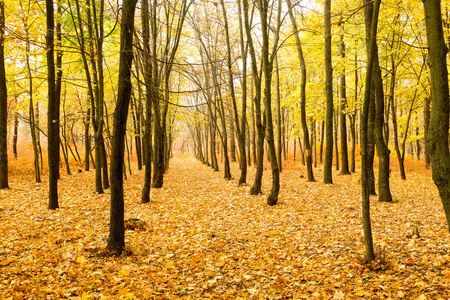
(201, 236)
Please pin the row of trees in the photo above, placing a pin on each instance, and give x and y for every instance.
(225, 70)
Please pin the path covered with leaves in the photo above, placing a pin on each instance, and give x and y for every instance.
(203, 237)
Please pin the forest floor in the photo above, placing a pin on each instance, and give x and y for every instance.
(202, 237)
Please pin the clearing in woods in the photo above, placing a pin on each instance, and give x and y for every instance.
(204, 237)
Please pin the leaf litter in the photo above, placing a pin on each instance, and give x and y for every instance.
(202, 237)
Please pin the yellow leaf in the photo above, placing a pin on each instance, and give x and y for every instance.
(124, 272)
(447, 276)
(81, 259)
(170, 263)
(85, 295)
(359, 293)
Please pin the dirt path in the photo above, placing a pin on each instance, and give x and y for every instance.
(208, 238)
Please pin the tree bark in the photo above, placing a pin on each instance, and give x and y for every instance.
(16, 134)
(148, 101)
(426, 124)
(116, 239)
(306, 142)
(53, 110)
(437, 137)
(328, 167)
(256, 187)
(343, 121)
(368, 240)
(3, 105)
(267, 66)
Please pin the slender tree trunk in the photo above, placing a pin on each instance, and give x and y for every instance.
(3, 105)
(87, 140)
(278, 108)
(137, 115)
(104, 157)
(368, 240)
(16, 133)
(302, 152)
(418, 145)
(267, 66)
(116, 240)
(253, 123)
(335, 136)
(426, 124)
(376, 121)
(353, 150)
(65, 156)
(295, 149)
(328, 167)
(37, 170)
(232, 143)
(53, 110)
(382, 149)
(306, 142)
(74, 141)
(343, 121)
(239, 126)
(314, 139)
(256, 187)
(148, 101)
(322, 140)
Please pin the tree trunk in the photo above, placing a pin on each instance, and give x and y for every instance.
(256, 187)
(3, 105)
(306, 142)
(437, 137)
(147, 70)
(278, 108)
(343, 121)
(104, 157)
(53, 110)
(426, 124)
(418, 145)
(116, 239)
(353, 150)
(322, 139)
(37, 171)
(16, 133)
(87, 140)
(242, 147)
(335, 136)
(384, 191)
(368, 240)
(267, 67)
(328, 167)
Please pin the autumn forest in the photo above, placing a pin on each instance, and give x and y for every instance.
(197, 149)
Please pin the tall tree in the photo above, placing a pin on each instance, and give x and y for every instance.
(309, 169)
(343, 121)
(437, 137)
(384, 191)
(148, 101)
(116, 239)
(53, 110)
(165, 64)
(3, 105)
(256, 76)
(328, 167)
(368, 240)
(240, 130)
(268, 55)
(31, 115)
